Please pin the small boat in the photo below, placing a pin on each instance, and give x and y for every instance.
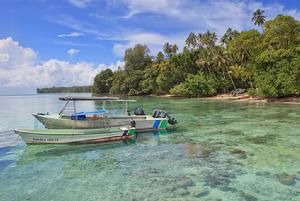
(63, 136)
(104, 118)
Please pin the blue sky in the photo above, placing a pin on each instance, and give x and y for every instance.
(62, 36)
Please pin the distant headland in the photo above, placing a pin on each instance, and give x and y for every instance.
(72, 89)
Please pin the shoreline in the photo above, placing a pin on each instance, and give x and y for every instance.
(244, 98)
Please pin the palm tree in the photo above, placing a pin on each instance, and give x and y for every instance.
(159, 57)
(207, 40)
(191, 40)
(170, 49)
(258, 18)
(229, 35)
(174, 49)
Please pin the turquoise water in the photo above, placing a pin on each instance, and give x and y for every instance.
(219, 151)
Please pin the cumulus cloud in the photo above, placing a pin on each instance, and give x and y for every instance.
(186, 16)
(72, 34)
(72, 51)
(79, 3)
(19, 68)
(12, 55)
(113, 66)
(154, 41)
(205, 15)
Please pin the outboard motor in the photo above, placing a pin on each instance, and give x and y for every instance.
(163, 114)
(172, 120)
(155, 113)
(139, 111)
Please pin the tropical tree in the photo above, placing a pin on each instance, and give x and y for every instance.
(137, 58)
(191, 41)
(207, 40)
(160, 57)
(103, 81)
(259, 18)
(228, 36)
(170, 49)
(282, 32)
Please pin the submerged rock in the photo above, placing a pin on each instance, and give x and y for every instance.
(286, 179)
(242, 154)
(202, 150)
(185, 182)
(200, 193)
(228, 189)
(217, 181)
(248, 197)
(182, 192)
(233, 132)
(263, 173)
(261, 139)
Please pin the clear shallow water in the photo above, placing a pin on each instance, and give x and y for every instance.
(220, 151)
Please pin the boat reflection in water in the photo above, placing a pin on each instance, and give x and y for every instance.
(48, 152)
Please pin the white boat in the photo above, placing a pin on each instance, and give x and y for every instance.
(104, 118)
(62, 136)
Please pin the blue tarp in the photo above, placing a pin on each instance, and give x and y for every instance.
(102, 111)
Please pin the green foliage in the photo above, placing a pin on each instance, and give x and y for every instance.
(258, 18)
(245, 47)
(137, 58)
(267, 64)
(73, 89)
(282, 32)
(175, 70)
(149, 85)
(195, 86)
(118, 86)
(278, 73)
(102, 82)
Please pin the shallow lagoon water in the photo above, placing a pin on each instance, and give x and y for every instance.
(219, 151)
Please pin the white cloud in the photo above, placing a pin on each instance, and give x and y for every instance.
(19, 68)
(205, 15)
(153, 40)
(196, 16)
(72, 34)
(79, 3)
(114, 66)
(12, 55)
(72, 51)
(184, 16)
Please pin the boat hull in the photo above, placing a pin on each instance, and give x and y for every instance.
(142, 123)
(63, 136)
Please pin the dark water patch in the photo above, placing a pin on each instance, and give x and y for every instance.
(286, 179)
(5, 163)
(217, 181)
(228, 189)
(248, 197)
(201, 149)
(233, 132)
(184, 182)
(199, 193)
(4, 150)
(262, 139)
(263, 174)
(182, 192)
(239, 153)
(84, 167)
(223, 170)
